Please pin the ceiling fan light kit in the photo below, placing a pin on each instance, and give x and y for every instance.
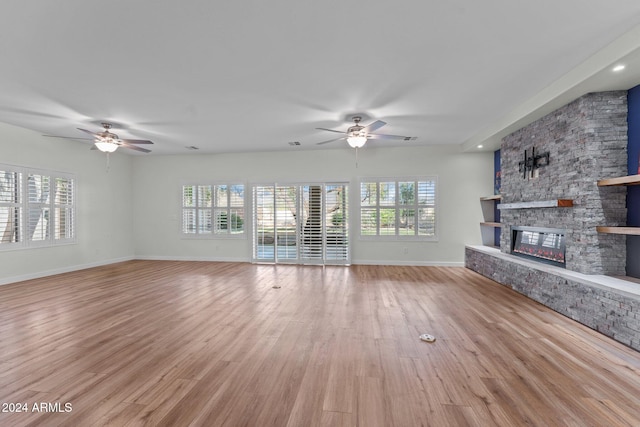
(356, 141)
(106, 146)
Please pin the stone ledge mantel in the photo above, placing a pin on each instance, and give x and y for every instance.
(556, 203)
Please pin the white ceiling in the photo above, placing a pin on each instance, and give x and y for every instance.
(256, 75)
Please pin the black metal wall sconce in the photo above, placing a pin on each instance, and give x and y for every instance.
(532, 162)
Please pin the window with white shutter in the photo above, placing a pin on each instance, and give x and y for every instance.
(398, 208)
(37, 207)
(213, 210)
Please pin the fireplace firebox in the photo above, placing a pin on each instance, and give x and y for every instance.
(541, 244)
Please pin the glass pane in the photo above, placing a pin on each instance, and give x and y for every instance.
(9, 187)
(63, 227)
(286, 211)
(427, 222)
(9, 229)
(336, 212)
(236, 221)
(222, 193)
(188, 196)
(38, 224)
(387, 221)
(407, 194)
(368, 194)
(222, 221)
(264, 217)
(63, 191)
(237, 195)
(407, 222)
(427, 193)
(204, 221)
(204, 196)
(189, 221)
(312, 238)
(38, 189)
(368, 222)
(387, 193)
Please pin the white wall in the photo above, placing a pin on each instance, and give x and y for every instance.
(103, 212)
(462, 179)
(133, 209)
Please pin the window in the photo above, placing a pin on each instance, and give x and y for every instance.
(398, 208)
(37, 208)
(213, 210)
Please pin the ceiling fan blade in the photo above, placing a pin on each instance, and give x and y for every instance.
(69, 137)
(136, 141)
(331, 130)
(375, 125)
(380, 136)
(134, 147)
(89, 132)
(331, 140)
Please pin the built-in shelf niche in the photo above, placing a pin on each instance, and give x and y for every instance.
(619, 181)
(489, 224)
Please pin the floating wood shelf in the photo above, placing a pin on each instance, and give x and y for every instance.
(491, 224)
(630, 231)
(495, 197)
(557, 203)
(623, 180)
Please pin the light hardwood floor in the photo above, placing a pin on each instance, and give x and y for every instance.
(209, 344)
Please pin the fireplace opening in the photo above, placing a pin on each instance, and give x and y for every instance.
(541, 244)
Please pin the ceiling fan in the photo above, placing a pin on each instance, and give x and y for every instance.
(108, 142)
(358, 135)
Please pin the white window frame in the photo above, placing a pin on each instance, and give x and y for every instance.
(397, 207)
(214, 233)
(24, 205)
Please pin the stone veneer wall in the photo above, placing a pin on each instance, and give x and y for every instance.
(587, 141)
(613, 313)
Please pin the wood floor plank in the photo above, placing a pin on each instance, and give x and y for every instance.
(173, 343)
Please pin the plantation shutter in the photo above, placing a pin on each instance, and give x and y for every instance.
(63, 209)
(306, 223)
(10, 206)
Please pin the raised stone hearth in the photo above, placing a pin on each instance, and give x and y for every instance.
(603, 303)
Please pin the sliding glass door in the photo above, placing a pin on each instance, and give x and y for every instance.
(302, 223)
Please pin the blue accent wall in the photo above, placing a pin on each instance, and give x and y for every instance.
(633, 191)
(496, 185)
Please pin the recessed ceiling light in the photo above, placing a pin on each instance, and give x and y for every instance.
(618, 68)
(480, 146)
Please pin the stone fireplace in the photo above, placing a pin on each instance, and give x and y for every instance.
(586, 141)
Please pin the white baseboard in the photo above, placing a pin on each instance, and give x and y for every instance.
(67, 269)
(191, 258)
(409, 263)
